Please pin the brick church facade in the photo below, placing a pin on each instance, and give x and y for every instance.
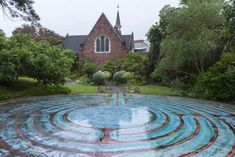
(103, 43)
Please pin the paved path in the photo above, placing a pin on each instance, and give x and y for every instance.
(115, 89)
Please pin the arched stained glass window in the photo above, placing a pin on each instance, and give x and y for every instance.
(102, 45)
(98, 45)
(107, 44)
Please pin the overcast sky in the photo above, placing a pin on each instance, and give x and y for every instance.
(77, 17)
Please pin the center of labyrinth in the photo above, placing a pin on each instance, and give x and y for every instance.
(116, 126)
(111, 117)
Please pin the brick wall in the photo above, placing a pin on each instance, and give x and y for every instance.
(102, 28)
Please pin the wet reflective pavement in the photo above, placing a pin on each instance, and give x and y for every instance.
(116, 125)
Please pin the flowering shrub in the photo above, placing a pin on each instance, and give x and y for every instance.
(122, 77)
(100, 77)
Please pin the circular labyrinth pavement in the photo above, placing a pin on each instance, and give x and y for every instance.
(116, 126)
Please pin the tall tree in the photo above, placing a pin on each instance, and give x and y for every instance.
(229, 12)
(26, 29)
(40, 34)
(20, 9)
(190, 42)
(49, 35)
(155, 36)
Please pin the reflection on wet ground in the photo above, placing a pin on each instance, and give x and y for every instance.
(116, 125)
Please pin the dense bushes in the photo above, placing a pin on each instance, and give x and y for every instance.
(88, 68)
(22, 56)
(134, 63)
(122, 77)
(219, 82)
(100, 77)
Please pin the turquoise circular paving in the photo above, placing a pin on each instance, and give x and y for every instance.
(116, 125)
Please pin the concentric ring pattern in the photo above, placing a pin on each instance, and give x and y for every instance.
(116, 126)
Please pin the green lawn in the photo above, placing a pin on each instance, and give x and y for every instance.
(78, 88)
(159, 90)
(25, 87)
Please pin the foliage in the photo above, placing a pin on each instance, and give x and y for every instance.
(8, 70)
(88, 68)
(100, 77)
(39, 34)
(122, 77)
(155, 38)
(219, 82)
(229, 12)
(84, 80)
(160, 90)
(134, 63)
(28, 87)
(26, 29)
(111, 67)
(20, 9)
(22, 56)
(51, 64)
(190, 40)
(2, 40)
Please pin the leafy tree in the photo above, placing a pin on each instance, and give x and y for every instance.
(22, 56)
(39, 34)
(49, 36)
(190, 41)
(8, 66)
(229, 12)
(219, 82)
(155, 39)
(20, 9)
(26, 29)
(7, 61)
(50, 64)
(155, 36)
(134, 63)
(2, 40)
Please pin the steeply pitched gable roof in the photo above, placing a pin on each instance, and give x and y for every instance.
(74, 42)
(108, 22)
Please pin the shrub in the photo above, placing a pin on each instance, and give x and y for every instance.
(134, 63)
(219, 82)
(122, 77)
(84, 80)
(110, 66)
(100, 77)
(89, 68)
(39, 60)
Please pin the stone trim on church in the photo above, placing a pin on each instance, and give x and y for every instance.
(103, 43)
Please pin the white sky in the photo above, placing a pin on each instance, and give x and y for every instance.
(77, 17)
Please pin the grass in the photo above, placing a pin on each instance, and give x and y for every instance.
(79, 88)
(25, 87)
(160, 90)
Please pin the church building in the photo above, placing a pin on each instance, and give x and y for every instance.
(103, 43)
